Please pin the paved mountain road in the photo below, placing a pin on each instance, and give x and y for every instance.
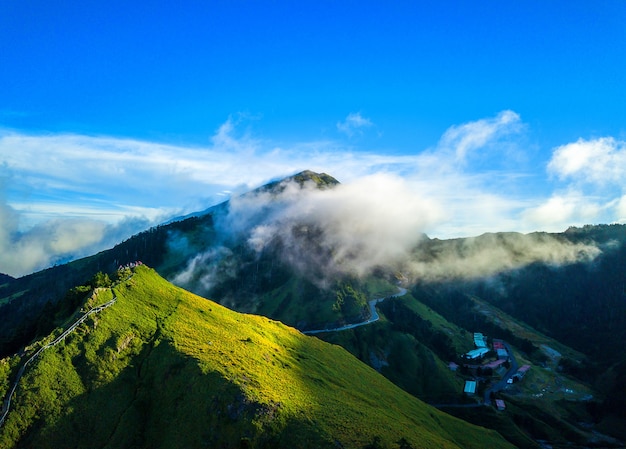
(501, 384)
(373, 315)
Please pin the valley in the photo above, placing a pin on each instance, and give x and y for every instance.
(373, 316)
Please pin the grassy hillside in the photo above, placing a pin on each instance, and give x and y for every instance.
(164, 368)
(409, 347)
(26, 303)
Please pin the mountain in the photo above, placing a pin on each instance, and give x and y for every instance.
(161, 367)
(300, 251)
(28, 305)
(4, 278)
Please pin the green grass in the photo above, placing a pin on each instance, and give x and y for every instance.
(521, 329)
(165, 368)
(288, 303)
(8, 299)
(409, 364)
(461, 339)
(379, 288)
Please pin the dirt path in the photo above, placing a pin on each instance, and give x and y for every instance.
(373, 315)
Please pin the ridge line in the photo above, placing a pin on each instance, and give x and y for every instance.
(6, 405)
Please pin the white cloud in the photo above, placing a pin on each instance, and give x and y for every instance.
(599, 161)
(620, 209)
(355, 228)
(373, 221)
(593, 177)
(465, 138)
(119, 177)
(353, 123)
(563, 210)
(101, 181)
(55, 240)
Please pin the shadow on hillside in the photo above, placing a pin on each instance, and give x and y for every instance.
(163, 399)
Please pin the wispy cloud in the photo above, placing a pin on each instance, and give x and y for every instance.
(468, 137)
(354, 123)
(107, 186)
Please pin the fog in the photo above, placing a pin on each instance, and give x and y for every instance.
(355, 228)
(489, 254)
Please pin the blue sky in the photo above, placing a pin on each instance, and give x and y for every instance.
(115, 116)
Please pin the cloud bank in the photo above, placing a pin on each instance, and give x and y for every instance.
(377, 222)
(489, 254)
(354, 227)
(477, 178)
(56, 241)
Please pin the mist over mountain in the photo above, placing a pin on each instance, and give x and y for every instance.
(312, 252)
(314, 231)
(354, 229)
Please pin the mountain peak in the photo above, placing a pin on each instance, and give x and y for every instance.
(320, 180)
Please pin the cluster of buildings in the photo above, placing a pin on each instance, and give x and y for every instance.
(498, 356)
(483, 350)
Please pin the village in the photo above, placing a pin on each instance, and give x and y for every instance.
(489, 370)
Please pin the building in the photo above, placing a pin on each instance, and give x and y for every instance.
(500, 349)
(502, 353)
(479, 340)
(476, 354)
(519, 375)
(495, 364)
(470, 387)
(500, 404)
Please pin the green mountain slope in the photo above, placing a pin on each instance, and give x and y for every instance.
(164, 368)
(27, 303)
(485, 283)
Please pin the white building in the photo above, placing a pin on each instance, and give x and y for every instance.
(479, 340)
(476, 354)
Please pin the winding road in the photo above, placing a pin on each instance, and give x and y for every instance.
(7, 402)
(498, 386)
(373, 315)
(501, 384)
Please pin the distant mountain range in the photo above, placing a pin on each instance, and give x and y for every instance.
(557, 299)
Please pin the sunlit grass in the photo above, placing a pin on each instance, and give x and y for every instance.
(165, 368)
